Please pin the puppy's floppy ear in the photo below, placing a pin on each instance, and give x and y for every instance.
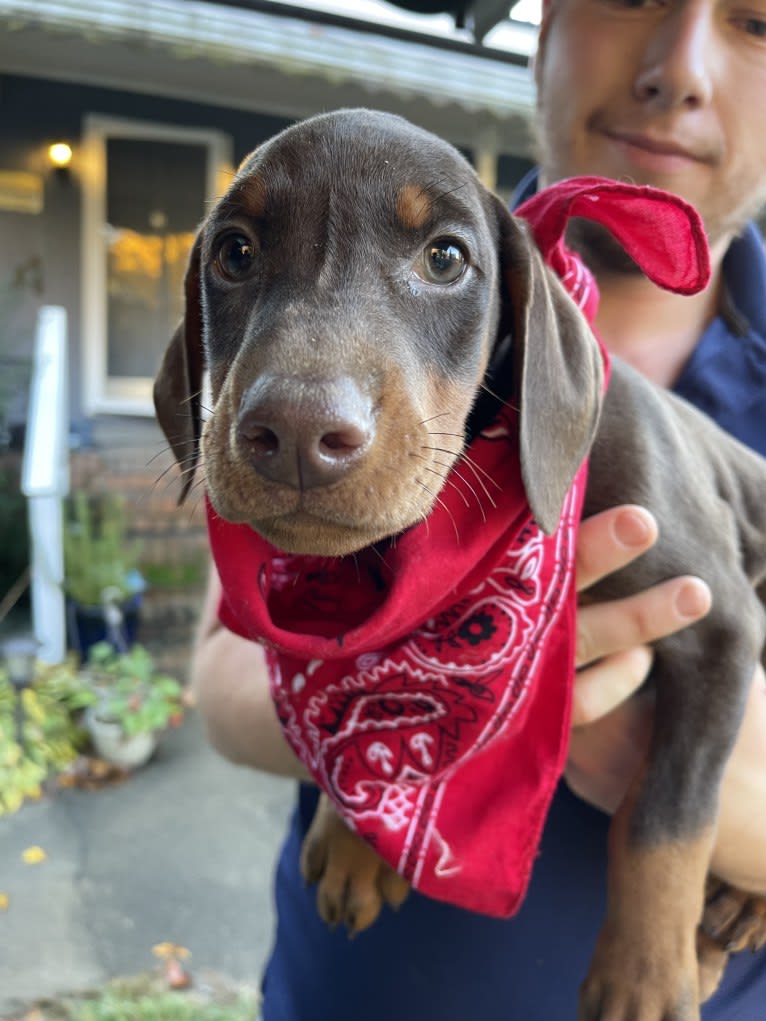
(558, 371)
(178, 386)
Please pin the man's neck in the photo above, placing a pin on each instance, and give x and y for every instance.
(654, 330)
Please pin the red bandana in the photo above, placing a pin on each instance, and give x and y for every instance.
(437, 720)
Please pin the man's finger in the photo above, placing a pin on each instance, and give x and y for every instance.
(601, 688)
(607, 628)
(610, 540)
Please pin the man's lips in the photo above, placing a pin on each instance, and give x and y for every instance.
(655, 153)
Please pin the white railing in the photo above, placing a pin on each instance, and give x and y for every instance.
(45, 481)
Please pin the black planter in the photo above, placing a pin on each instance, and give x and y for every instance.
(86, 626)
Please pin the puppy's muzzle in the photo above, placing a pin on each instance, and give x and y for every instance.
(304, 434)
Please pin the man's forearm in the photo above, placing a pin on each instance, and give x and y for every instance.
(232, 693)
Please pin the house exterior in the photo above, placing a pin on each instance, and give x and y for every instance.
(158, 102)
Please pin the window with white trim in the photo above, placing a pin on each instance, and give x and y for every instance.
(147, 187)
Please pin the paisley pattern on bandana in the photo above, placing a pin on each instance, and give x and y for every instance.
(386, 735)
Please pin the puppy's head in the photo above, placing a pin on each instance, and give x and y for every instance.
(351, 295)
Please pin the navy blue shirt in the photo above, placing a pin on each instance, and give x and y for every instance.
(429, 960)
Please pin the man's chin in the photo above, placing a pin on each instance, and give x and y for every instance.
(599, 249)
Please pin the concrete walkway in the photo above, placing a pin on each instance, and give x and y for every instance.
(183, 851)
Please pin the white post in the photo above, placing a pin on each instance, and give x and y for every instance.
(45, 481)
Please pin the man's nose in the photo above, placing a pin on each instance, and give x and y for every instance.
(679, 57)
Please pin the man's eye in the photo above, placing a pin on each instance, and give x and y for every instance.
(442, 262)
(635, 5)
(235, 256)
(755, 27)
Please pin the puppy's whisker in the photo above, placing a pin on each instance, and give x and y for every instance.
(193, 396)
(179, 437)
(453, 471)
(187, 469)
(193, 510)
(153, 458)
(469, 463)
(441, 414)
(447, 481)
(491, 392)
(478, 471)
(198, 490)
(183, 474)
(355, 558)
(379, 555)
(200, 482)
(443, 450)
(196, 396)
(162, 475)
(186, 463)
(169, 477)
(168, 483)
(505, 403)
(443, 505)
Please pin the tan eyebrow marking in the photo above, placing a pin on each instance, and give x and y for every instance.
(413, 206)
(252, 195)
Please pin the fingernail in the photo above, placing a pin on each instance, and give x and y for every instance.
(633, 529)
(693, 599)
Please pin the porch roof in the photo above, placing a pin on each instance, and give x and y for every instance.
(266, 56)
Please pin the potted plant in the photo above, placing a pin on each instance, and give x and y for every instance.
(132, 703)
(102, 582)
(40, 733)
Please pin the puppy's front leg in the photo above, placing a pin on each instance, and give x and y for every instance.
(354, 882)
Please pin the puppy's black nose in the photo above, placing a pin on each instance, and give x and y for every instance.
(304, 433)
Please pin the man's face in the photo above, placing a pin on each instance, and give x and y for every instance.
(664, 92)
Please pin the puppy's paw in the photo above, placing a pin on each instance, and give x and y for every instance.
(631, 979)
(733, 919)
(353, 881)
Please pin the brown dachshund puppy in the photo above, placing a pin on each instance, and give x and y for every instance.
(356, 284)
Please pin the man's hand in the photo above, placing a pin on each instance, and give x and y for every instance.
(609, 728)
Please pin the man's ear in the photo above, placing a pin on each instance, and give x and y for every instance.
(557, 367)
(178, 386)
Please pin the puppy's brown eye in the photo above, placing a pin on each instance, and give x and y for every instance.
(236, 256)
(443, 261)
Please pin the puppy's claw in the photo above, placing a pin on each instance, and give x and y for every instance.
(329, 904)
(364, 903)
(313, 860)
(393, 887)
